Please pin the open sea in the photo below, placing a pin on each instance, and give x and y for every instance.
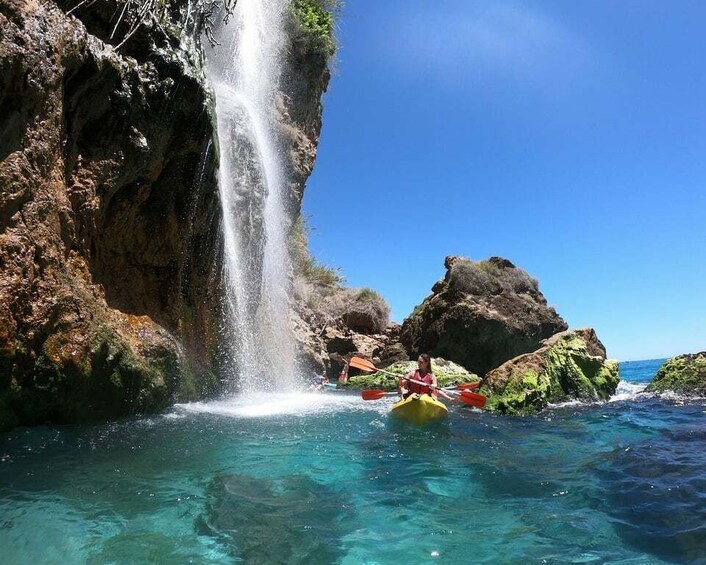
(330, 478)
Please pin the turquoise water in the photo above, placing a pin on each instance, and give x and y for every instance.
(330, 478)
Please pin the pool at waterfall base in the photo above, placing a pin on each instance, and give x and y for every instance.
(330, 478)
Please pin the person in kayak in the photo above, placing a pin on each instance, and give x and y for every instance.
(318, 383)
(424, 375)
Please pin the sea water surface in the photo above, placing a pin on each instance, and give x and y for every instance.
(331, 478)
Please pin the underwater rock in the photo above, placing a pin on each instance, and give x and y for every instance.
(480, 315)
(656, 493)
(287, 520)
(684, 375)
(570, 365)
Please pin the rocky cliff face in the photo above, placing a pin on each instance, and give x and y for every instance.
(109, 215)
(480, 315)
(109, 218)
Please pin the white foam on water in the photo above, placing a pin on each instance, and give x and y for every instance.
(628, 391)
(266, 405)
(569, 403)
(624, 391)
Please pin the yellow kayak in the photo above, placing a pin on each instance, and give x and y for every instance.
(419, 409)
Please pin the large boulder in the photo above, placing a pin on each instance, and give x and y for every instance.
(329, 349)
(684, 375)
(571, 365)
(480, 315)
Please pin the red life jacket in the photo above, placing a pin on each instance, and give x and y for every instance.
(421, 389)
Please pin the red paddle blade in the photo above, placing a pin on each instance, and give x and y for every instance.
(373, 394)
(469, 386)
(473, 398)
(362, 364)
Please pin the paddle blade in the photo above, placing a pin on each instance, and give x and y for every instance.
(473, 398)
(373, 394)
(469, 386)
(362, 364)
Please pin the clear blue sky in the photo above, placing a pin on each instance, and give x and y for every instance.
(566, 136)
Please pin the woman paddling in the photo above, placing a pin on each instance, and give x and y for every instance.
(425, 380)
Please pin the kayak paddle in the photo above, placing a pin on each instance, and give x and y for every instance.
(373, 394)
(469, 386)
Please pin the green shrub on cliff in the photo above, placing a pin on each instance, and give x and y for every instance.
(320, 288)
(362, 310)
(307, 267)
(316, 19)
(493, 276)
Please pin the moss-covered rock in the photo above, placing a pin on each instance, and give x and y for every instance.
(684, 374)
(447, 374)
(315, 20)
(571, 365)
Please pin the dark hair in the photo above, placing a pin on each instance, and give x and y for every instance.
(427, 360)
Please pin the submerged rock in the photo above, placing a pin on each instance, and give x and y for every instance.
(291, 519)
(684, 375)
(480, 315)
(447, 373)
(571, 365)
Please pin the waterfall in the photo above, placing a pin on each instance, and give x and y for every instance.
(245, 70)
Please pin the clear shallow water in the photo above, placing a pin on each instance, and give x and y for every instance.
(330, 478)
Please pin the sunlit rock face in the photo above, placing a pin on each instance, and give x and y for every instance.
(684, 375)
(480, 315)
(569, 366)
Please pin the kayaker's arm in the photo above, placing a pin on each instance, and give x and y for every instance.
(436, 390)
(401, 383)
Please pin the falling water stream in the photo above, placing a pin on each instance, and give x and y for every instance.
(245, 70)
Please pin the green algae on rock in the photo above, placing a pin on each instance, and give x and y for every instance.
(571, 365)
(447, 374)
(684, 374)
